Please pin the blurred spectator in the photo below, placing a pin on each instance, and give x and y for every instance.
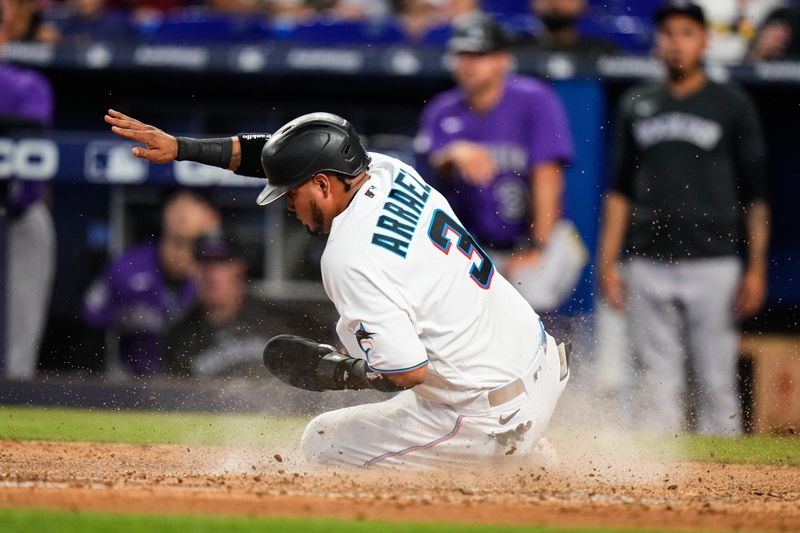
(26, 104)
(145, 11)
(224, 333)
(560, 31)
(88, 21)
(688, 175)
(141, 292)
(498, 144)
(732, 25)
(360, 9)
(418, 17)
(779, 37)
(21, 20)
(305, 10)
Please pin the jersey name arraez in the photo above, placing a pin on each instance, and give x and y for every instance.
(413, 289)
(404, 205)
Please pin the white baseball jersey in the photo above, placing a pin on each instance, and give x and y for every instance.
(413, 288)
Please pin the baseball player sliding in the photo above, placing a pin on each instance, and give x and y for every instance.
(423, 312)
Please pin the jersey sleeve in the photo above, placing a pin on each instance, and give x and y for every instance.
(251, 145)
(749, 151)
(550, 138)
(372, 325)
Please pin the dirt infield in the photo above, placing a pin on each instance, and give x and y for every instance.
(258, 482)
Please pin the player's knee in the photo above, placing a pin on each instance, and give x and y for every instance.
(316, 442)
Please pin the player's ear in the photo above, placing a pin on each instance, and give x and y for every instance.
(323, 183)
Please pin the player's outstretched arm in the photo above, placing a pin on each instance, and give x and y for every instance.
(309, 365)
(240, 153)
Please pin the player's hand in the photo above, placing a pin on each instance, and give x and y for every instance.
(613, 287)
(522, 260)
(751, 294)
(473, 161)
(159, 147)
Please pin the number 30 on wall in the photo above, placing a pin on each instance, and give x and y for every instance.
(482, 268)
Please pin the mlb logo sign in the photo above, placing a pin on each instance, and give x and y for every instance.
(113, 162)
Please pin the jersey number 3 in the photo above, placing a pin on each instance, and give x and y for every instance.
(482, 269)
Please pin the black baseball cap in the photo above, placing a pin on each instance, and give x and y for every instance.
(477, 34)
(216, 247)
(679, 7)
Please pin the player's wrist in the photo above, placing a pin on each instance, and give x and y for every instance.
(212, 152)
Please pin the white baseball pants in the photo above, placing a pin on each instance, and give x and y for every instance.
(410, 431)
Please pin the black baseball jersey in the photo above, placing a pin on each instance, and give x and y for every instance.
(688, 166)
(197, 347)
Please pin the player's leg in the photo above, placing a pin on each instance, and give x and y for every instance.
(713, 339)
(411, 431)
(359, 435)
(655, 327)
(31, 270)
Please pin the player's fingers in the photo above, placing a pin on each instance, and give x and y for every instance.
(125, 132)
(136, 135)
(123, 123)
(118, 115)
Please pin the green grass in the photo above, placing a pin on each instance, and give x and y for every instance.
(26, 423)
(135, 427)
(42, 521)
(751, 449)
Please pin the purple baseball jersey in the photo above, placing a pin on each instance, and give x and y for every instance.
(25, 94)
(528, 126)
(133, 297)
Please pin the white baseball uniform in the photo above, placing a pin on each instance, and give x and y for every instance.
(413, 289)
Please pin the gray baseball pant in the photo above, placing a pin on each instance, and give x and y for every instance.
(31, 267)
(682, 313)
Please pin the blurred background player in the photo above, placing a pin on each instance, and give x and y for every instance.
(224, 332)
(141, 292)
(26, 105)
(779, 36)
(498, 145)
(689, 160)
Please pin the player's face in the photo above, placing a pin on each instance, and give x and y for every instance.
(306, 203)
(478, 72)
(184, 220)
(219, 282)
(680, 43)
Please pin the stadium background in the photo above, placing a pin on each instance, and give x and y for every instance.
(204, 74)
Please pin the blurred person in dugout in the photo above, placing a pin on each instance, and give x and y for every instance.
(687, 192)
(224, 332)
(26, 105)
(779, 36)
(497, 145)
(559, 30)
(140, 293)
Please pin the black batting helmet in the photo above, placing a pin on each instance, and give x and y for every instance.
(306, 146)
